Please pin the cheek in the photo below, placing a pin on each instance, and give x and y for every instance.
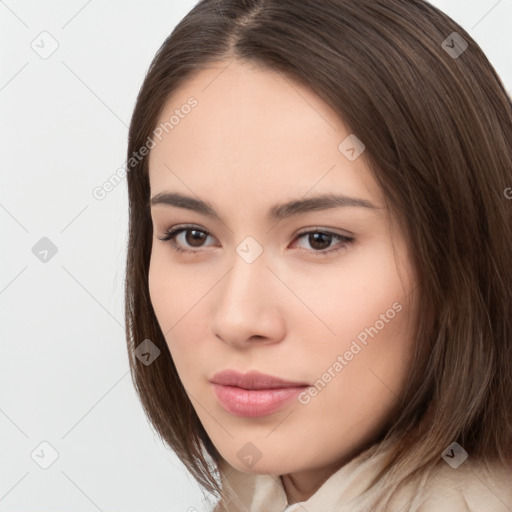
(365, 293)
(167, 297)
(358, 386)
(176, 307)
(170, 296)
(370, 311)
(159, 294)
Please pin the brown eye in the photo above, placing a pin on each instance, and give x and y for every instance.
(196, 237)
(193, 238)
(320, 241)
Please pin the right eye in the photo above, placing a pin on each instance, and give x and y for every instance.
(197, 235)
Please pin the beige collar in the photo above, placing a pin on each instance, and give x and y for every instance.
(349, 487)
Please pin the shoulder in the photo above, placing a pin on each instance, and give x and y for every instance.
(472, 487)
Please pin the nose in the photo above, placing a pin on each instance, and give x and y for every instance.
(249, 305)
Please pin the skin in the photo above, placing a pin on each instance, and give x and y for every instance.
(256, 139)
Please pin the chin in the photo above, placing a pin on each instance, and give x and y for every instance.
(267, 466)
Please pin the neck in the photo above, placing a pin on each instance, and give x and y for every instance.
(300, 486)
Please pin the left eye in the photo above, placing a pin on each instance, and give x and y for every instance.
(322, 238)
(315, 239)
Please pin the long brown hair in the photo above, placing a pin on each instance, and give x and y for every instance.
(437, 125)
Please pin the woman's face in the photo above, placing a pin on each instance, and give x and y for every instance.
(277, 290)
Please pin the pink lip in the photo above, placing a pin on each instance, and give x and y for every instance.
(253, 380)
(254, 393)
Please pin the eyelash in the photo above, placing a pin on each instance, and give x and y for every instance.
(170, 234)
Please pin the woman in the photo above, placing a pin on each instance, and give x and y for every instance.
(344, 341)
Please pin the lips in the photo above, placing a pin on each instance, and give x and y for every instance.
(253, 380)
(254, 394)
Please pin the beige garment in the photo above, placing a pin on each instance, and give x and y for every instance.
(468, 488)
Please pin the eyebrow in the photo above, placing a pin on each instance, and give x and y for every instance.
(277, 212)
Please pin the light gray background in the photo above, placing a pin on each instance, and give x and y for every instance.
(63, 368)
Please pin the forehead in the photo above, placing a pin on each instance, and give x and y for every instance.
(254, 130)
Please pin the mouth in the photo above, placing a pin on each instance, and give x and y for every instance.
(253, 380)
(254, 394)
